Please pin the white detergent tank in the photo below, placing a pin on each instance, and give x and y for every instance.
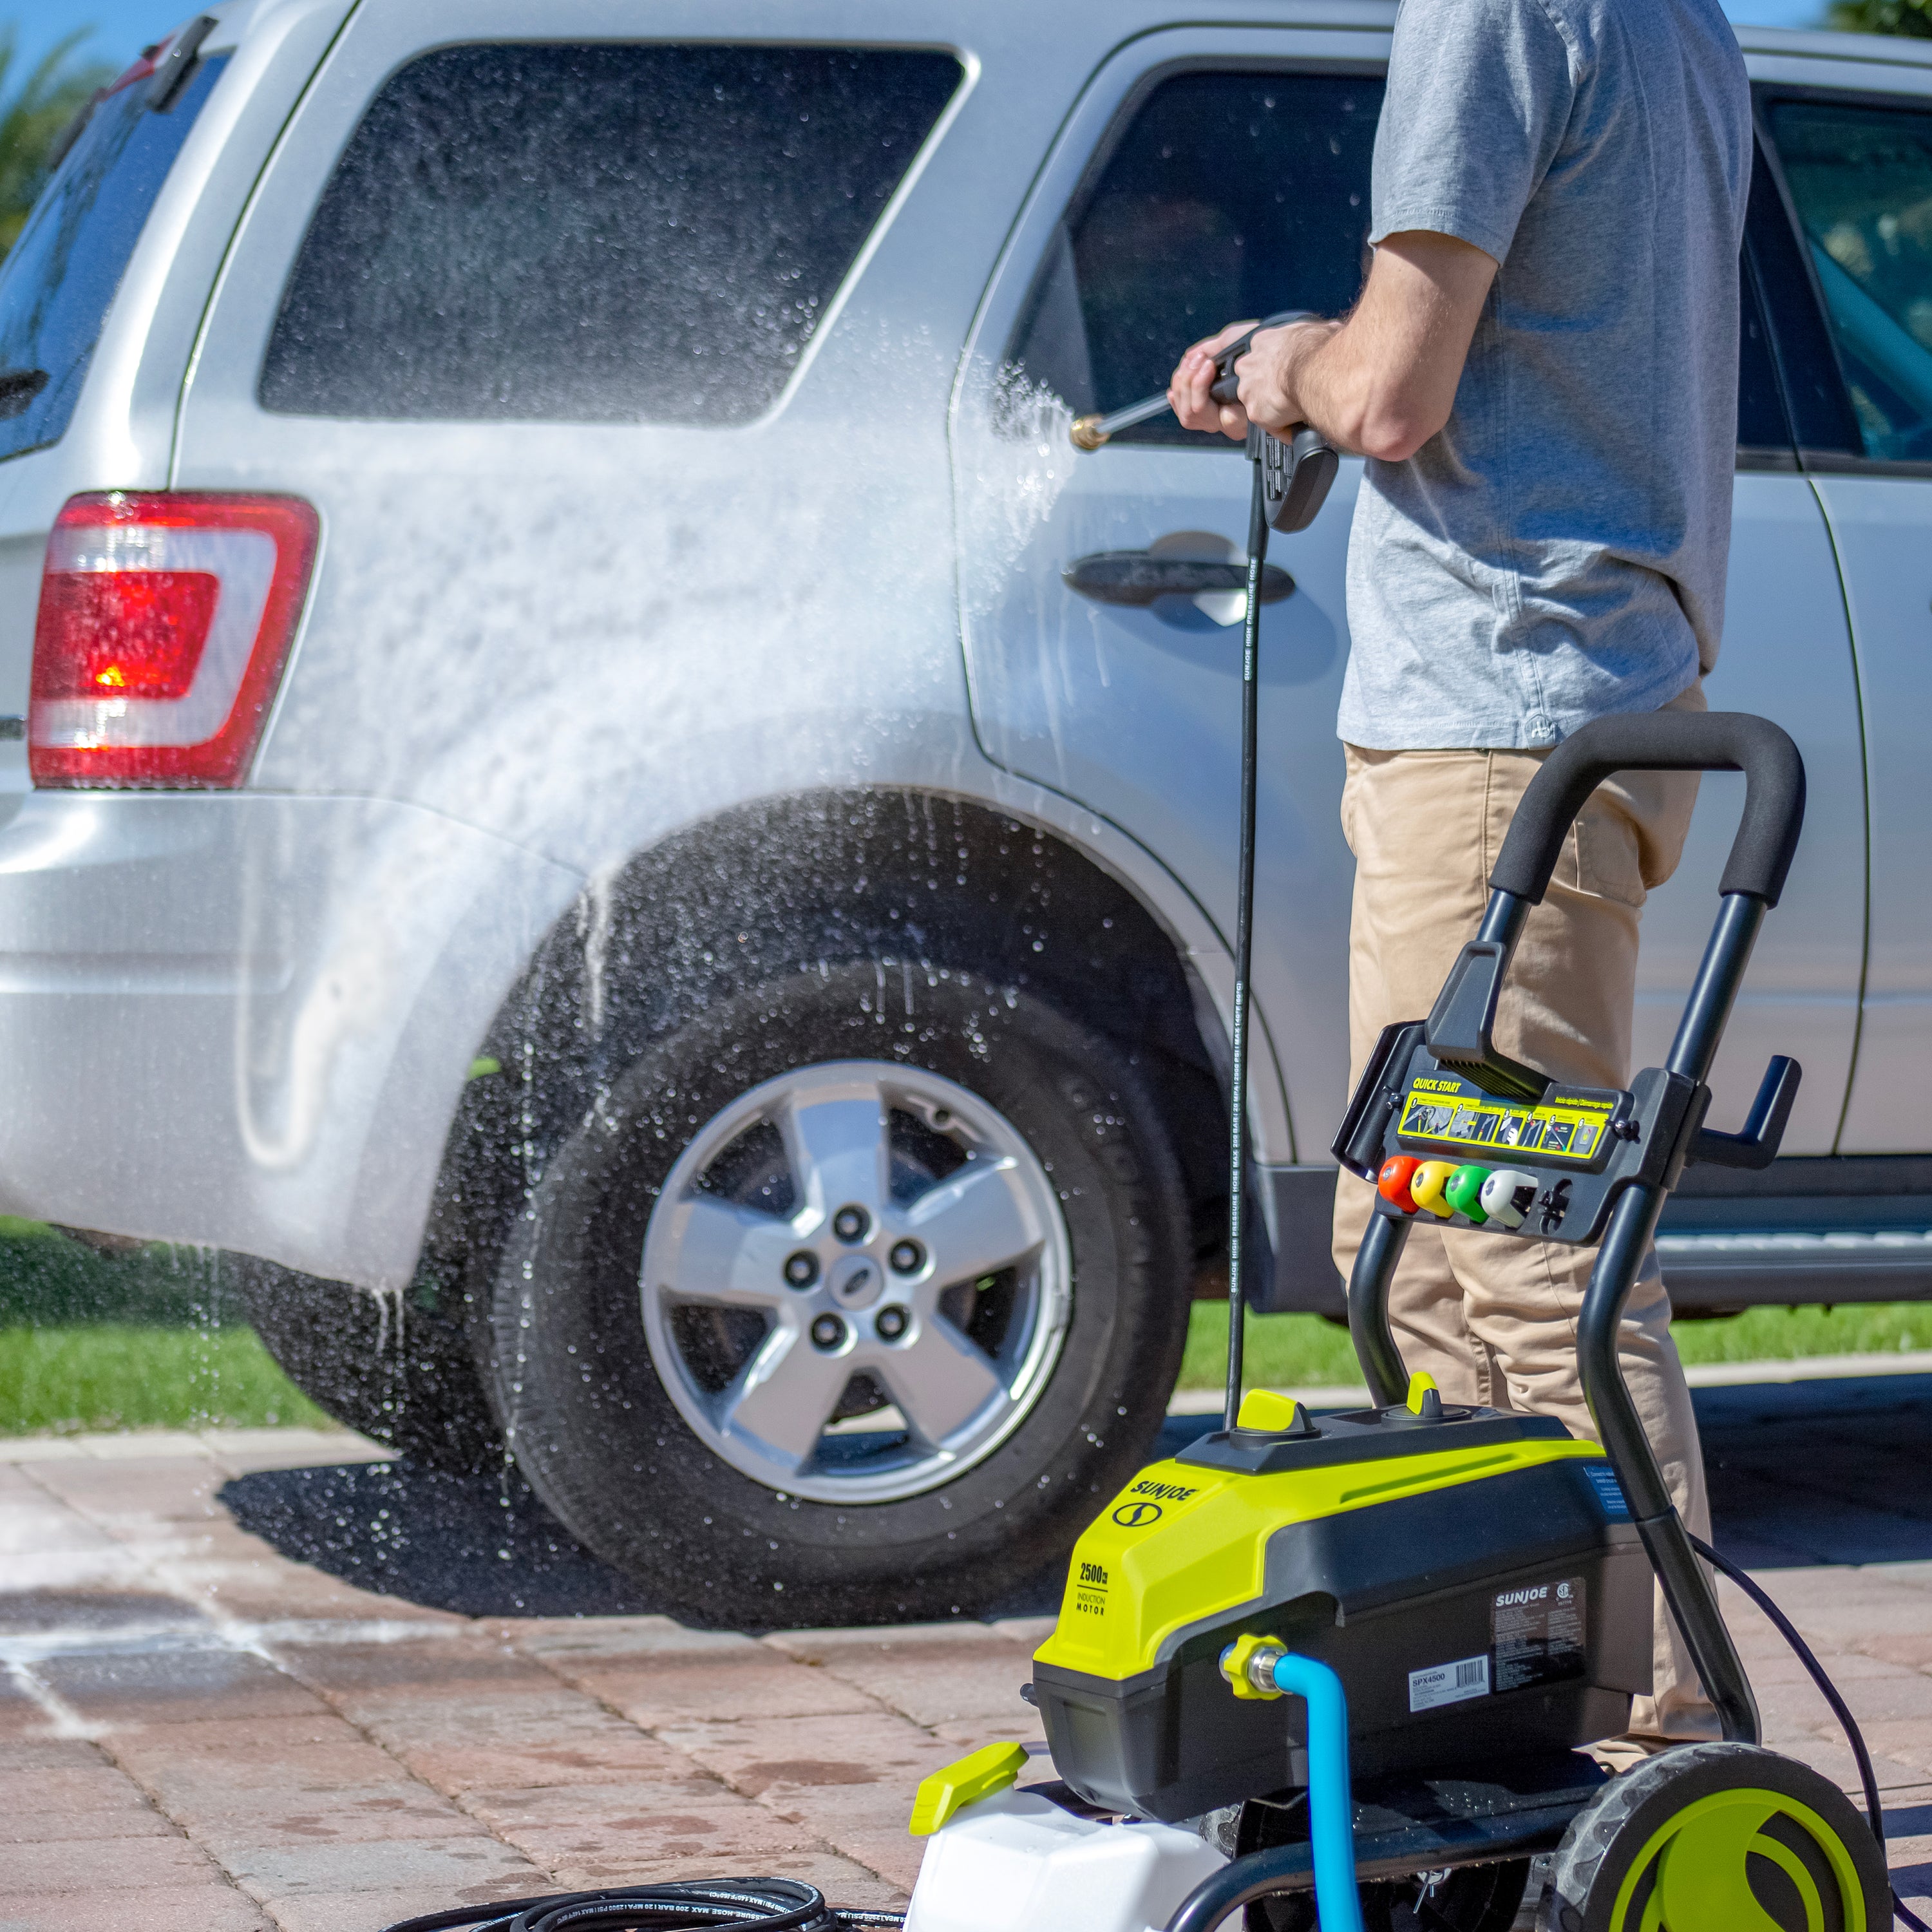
(1017, 1862)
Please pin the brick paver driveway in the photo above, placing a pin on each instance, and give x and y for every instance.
(261, 1681)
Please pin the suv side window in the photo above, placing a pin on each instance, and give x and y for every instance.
(1860, 177)
(1227, 194)
(595, 233)
(60, 276)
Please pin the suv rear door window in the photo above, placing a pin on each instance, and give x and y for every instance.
(1229, 194)
(60, 278)
(595, 233)
(1861, 177)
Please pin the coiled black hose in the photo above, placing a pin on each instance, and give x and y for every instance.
(1867, 1777)
(749, 1904)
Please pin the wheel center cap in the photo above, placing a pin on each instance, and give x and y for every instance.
(855, 1281)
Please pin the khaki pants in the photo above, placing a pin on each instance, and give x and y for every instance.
(1494, 1321)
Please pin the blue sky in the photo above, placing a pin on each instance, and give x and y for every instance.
(117, 29)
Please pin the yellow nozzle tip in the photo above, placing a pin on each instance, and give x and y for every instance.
(945, 1792)
(1085, 435)
(1419, 1386)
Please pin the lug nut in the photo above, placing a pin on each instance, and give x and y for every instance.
(801, 1270)
(852, 1223)
(907, 1257)
(891, 1323)
(827, 1332)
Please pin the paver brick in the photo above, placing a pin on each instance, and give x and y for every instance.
(633, 1834)
(295, 1818)
(933, 1674)
(758, 1757)
(160, 1490)
(631, 1637)
(164, 1686)
(213, 1907)
(507, 1808)
(82, 1783)
(84, 1822)
(459, 1768)
(453, 1862)
(359, 1911)
(668, 1688)
(109, 1864)
(844, 1881)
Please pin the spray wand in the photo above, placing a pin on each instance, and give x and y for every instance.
(1292, 476)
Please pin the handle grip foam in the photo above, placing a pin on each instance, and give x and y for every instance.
(1664, 741)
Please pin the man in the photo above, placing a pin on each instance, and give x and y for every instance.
(1542, 372)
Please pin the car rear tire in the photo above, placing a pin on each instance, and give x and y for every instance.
(996, 1319)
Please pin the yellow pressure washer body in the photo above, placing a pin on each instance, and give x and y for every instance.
(1473, 1577)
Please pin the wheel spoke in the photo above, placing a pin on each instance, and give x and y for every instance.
(726, 1253)
(835, 1140)
(784, 1396)
(977, 1221)
(939, 1379)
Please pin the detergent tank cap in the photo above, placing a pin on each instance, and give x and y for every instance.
(1263, 1412)
(963, 1783)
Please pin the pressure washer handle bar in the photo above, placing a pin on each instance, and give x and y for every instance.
(1664, 741)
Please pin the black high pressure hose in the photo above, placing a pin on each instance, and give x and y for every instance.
(749, 1904)
(1874, 1810)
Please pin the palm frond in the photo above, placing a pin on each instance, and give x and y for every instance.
(34, 114)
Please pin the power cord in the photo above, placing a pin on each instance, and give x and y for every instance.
(749, 1904)
(1874, 1810)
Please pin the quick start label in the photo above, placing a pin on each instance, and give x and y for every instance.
(1565, 1127)
(1537, 1634)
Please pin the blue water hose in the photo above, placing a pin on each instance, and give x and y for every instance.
(1331, 1801)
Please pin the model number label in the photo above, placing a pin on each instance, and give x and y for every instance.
(1449, 1683)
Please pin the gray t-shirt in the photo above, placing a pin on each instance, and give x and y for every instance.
(1559, 551)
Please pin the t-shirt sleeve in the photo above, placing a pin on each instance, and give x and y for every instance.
(1480, 93)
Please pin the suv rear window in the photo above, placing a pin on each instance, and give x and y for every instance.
(60, 278)
(595, 233)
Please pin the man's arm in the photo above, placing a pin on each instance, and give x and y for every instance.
(1381, 383)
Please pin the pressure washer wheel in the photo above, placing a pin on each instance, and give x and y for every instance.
(1714, 1835)
(1466, 1898)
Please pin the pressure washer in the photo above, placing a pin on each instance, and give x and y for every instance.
(1340, 1671)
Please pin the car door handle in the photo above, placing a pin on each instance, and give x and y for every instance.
(1137, 578)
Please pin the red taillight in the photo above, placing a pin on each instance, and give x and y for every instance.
(165, 620)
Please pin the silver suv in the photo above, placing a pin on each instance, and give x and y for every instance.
(600, 800)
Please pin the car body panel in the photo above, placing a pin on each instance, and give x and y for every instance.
(533, 652)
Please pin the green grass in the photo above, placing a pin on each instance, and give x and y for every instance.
(115, 1376)
(1304, 1351)
(146, 1339)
